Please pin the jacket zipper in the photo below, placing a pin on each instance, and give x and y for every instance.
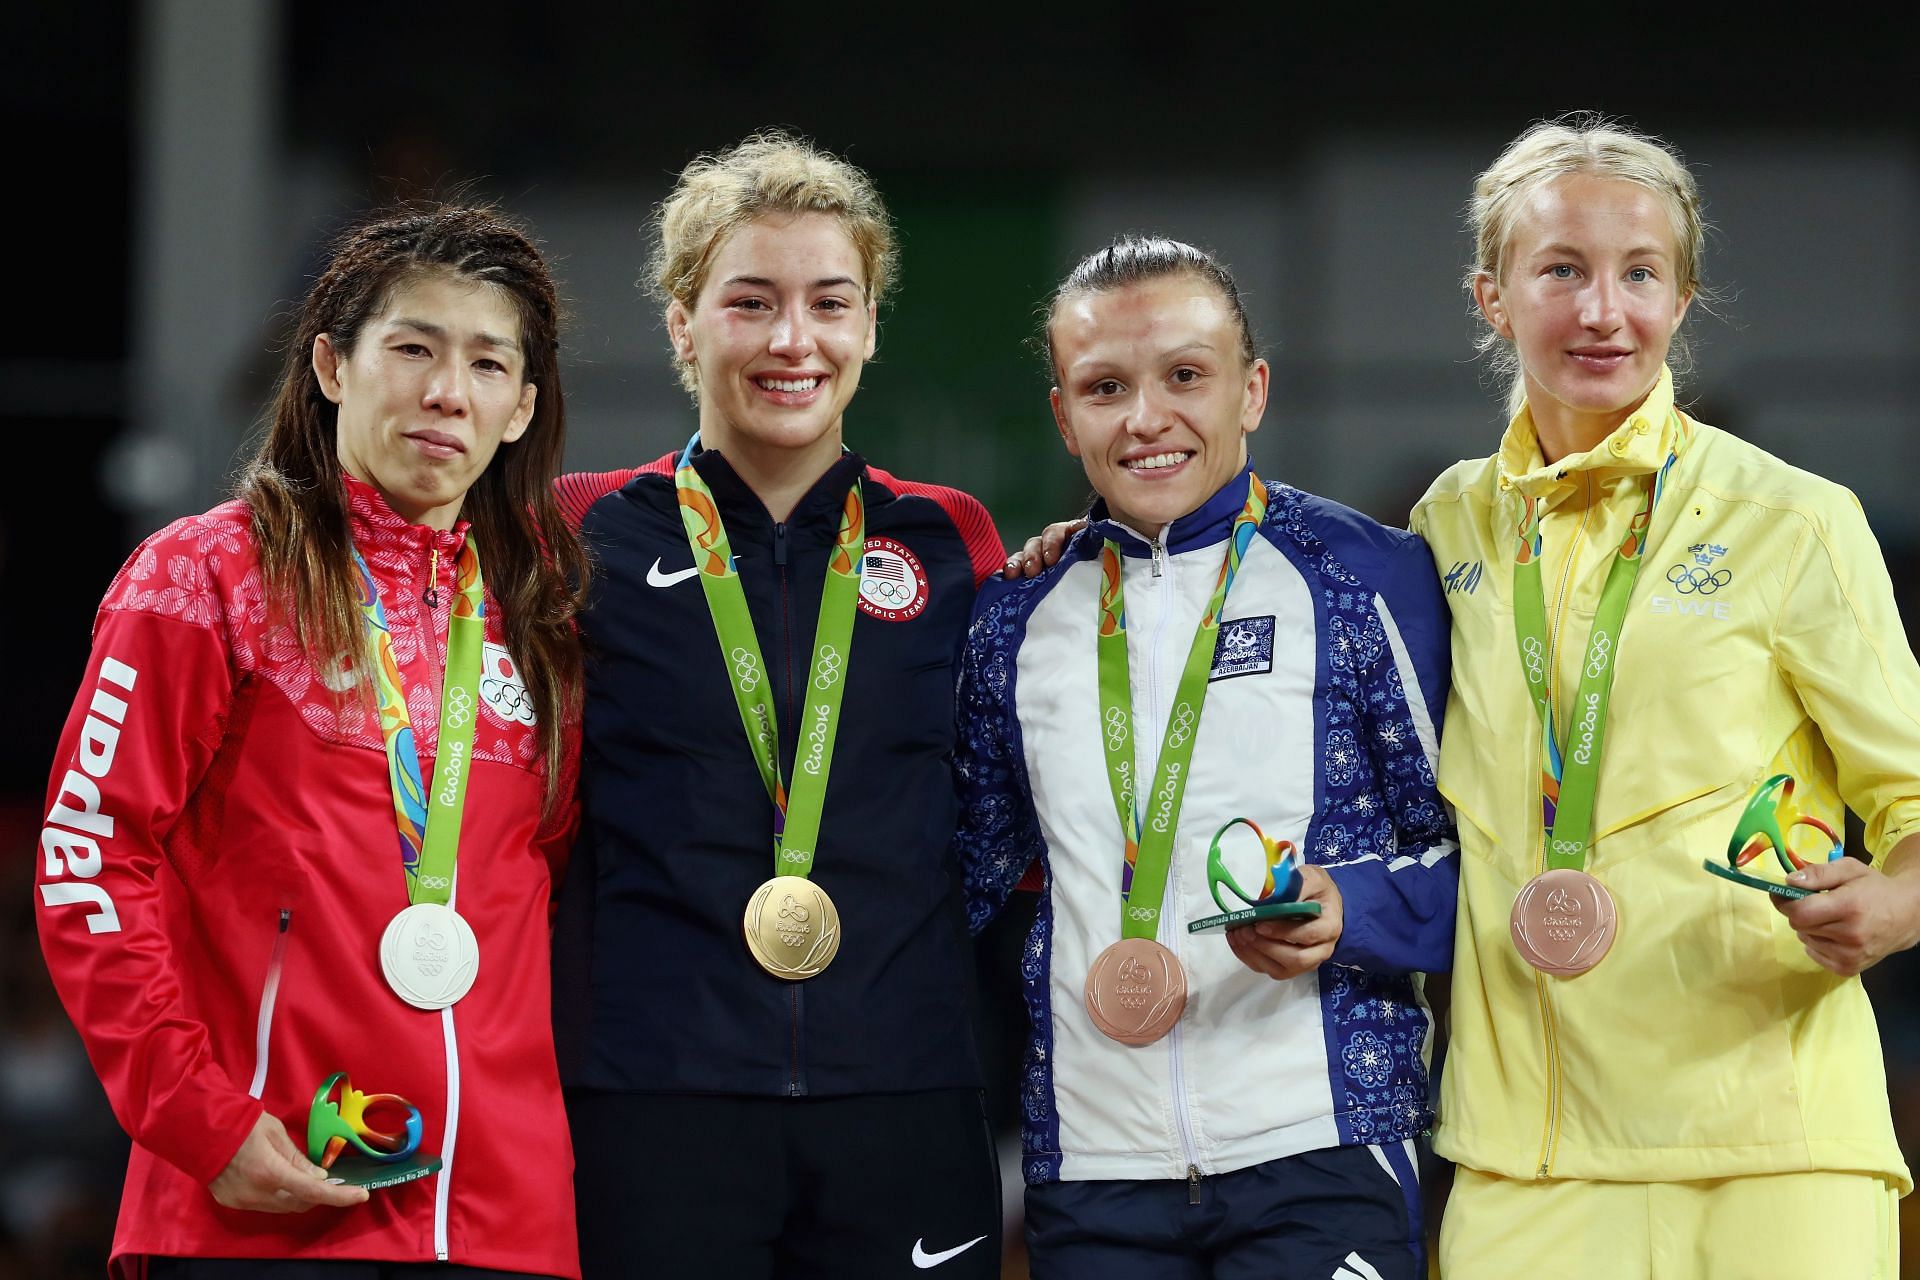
(1549, 1027)
(269, 993)
(1176, 1059)
(796, 1085)
(443, 1182)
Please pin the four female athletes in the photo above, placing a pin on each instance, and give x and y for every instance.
(749, 1036)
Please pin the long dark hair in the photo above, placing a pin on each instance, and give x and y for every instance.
(293, 483)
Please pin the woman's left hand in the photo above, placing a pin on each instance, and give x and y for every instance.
(1284, 949)
(1863, 916)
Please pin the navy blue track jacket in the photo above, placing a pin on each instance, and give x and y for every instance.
(654, 987)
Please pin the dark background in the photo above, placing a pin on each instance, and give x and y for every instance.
(173, 167)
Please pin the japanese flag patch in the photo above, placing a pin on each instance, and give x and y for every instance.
(501, 687)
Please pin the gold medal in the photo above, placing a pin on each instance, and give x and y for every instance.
(792, 928)
(1135, 991)
(1563, 922)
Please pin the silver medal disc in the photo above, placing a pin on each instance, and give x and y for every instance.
(429, 955)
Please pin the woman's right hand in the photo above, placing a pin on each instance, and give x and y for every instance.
(271, 1175)
(1042, 550)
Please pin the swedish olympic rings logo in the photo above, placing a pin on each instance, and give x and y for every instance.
(1599, 655)
(1688, 580)
(1536, 659)
(746, 669)
(459, 707)
(1116, 728)
(1143, 914)
(1182, 726)
(826, 671)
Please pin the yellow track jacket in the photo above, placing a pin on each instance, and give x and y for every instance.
(1761, 637)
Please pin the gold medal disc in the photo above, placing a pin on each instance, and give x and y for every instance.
(792, 928)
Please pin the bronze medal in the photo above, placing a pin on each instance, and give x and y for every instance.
(1136, 991)
(792, 927)
(1563, 922)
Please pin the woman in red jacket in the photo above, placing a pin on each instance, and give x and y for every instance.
(308, 807)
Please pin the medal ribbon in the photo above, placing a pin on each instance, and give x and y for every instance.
(796, 823)
(428, 849)
(1567, 781)
(1149, 844)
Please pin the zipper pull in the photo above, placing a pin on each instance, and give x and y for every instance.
(286, 918)
(1159, 567)
(431, 596)
(1193, 1184)
(780, 543)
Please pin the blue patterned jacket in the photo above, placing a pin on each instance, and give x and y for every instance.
(1321, 724)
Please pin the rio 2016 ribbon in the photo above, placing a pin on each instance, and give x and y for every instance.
(792, 928)
(1770, 816)
(1279, 895)
(1563, 920)
(428, 953)
(1135, 990)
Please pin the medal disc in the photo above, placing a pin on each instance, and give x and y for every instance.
(792, 927)
(1135, 991)
(1563, 922)
(429, 955)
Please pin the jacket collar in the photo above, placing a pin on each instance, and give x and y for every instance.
(1638, 446)
(741, 507)
(1206, 525)
(372, 523)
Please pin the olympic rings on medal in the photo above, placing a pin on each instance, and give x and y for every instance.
(1568, 848)
(435, 882)
(1688, 580)
(746, 669)
(1182, 727)
(1116, 727)
(796, 856)
(1145, 915)
(826, 671)
(459, 707)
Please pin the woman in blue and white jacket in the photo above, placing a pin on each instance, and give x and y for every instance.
(1269, 1131)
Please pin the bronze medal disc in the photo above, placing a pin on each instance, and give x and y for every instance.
(1136, 990)
(1563, 922)
(792, 928)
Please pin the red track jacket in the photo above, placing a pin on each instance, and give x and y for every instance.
(218, 863)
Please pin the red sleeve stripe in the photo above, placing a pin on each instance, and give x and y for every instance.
(579, 490)
(976, 529)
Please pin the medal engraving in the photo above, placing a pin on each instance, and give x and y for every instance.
(792, 928)
(429, 955)
(1563, 922)
(1135, 991)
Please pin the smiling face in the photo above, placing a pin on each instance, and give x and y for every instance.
(430, 391)
(777, 336)
(1154, 395)
(1590, 299)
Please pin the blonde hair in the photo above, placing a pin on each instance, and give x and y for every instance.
(767, 173)
(1582, 142)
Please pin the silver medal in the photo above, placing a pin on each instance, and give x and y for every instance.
(429, 955)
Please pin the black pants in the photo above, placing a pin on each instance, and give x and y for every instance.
(1352, 1213)
(730, 1188)
(304, 1269)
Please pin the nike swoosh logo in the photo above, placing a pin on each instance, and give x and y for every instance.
(922, 1259)
(655, 578)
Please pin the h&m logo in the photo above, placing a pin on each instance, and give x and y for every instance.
(1464, 576)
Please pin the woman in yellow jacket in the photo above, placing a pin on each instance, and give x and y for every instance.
(1656, 1071)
